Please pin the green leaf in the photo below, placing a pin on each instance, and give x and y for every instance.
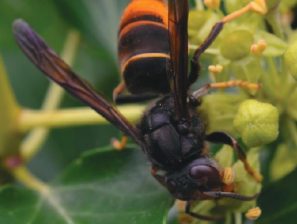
(102, 186)
(278, 201)
(97, 20)
(289, 163)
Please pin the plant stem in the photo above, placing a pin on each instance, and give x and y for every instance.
(71, 117)
(199, 5)
(6, 95)
(36, 138)
(23, 175)
(292, 130)
(238, 218)
(274, 21)
(9, 112)
(228, 219)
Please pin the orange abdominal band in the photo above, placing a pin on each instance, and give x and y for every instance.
(144, 55)
(138, 8)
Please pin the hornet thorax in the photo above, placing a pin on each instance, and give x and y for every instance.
(171, 143)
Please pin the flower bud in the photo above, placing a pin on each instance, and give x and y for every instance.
(236, 44)
(232, 6)
(257, 123)
(258, 48)
(253, 213)
(219, 109)
(228, 176)
(291, 58)
(212, 4)
(215, 69)
(197, 19)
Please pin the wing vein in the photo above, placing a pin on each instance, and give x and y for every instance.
(56, 69)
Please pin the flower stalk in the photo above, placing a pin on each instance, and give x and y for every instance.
(31, 119)
(24, 176)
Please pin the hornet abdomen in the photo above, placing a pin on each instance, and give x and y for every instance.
(144, 47)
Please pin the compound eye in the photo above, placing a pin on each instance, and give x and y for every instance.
(205, 175)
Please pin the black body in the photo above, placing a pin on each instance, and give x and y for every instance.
(170, 144)
(177, 149)
(139, 81)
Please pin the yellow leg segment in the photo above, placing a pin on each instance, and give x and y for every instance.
(118, 90)
(235, 83)
(255, 174)
(258, 6)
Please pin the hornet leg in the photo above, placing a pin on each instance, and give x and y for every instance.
(223, 138)
(118, 90)
(221, 194)
(199, 216)
(222, 85)
(215, 31)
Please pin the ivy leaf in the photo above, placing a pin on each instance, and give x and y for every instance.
(278, 201)
(102, 186)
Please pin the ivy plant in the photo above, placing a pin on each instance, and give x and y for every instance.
(57, 163)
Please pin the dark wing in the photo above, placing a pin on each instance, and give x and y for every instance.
(57, 70)
(178, 31)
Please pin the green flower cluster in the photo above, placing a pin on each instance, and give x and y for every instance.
(259, 49)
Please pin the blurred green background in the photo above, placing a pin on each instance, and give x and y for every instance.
(97, 21)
